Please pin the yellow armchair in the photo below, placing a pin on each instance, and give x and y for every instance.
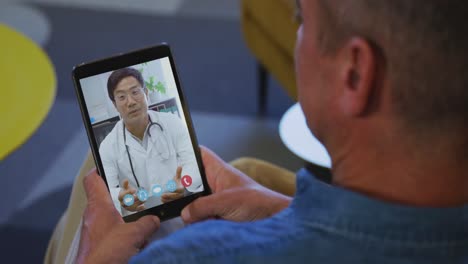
(269, 30)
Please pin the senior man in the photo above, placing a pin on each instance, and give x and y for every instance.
(383, 86)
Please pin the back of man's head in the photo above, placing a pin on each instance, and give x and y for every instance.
(422, 45)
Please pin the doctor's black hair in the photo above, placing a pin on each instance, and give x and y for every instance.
(118, 75)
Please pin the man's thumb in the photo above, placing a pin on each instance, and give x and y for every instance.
(202, 208)
(94, 186)
(145, 228)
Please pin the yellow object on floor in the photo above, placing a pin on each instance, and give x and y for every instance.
(27, 90)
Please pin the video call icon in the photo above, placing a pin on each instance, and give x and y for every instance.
(171, 186)
(128, 199)
(142, 195)
(156, 190)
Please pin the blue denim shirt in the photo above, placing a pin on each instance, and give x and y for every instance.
(323, 224)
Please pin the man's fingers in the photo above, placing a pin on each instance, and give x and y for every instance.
(95, 188)
(143, 229)
(204, 208)
(212, 163)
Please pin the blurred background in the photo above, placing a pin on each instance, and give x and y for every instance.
(220, 73)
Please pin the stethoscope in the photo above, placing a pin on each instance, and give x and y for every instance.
(128, 152)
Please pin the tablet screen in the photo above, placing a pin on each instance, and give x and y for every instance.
(141, 132)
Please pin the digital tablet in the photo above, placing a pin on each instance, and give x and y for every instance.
(141, 133)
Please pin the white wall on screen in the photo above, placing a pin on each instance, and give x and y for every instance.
(99, 105)
(171, 85)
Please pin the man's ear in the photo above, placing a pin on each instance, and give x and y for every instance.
(358, 76)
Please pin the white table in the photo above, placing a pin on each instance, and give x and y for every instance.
(297, 137)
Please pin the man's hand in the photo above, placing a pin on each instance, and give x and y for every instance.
(127, 189)
(235, 197)
(178, 193)
(105, 238)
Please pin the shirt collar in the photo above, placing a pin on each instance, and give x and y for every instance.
(354, 212)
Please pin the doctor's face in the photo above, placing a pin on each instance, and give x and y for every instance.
(131, 101)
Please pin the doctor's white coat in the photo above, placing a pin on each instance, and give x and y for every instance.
(167, 149)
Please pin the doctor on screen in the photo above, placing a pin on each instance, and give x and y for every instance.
(147, 157)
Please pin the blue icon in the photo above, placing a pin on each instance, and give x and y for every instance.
(128, 200)
(171, 186)
(142, 195)
(157, 190)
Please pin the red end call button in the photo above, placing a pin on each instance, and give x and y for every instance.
(186, 181)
